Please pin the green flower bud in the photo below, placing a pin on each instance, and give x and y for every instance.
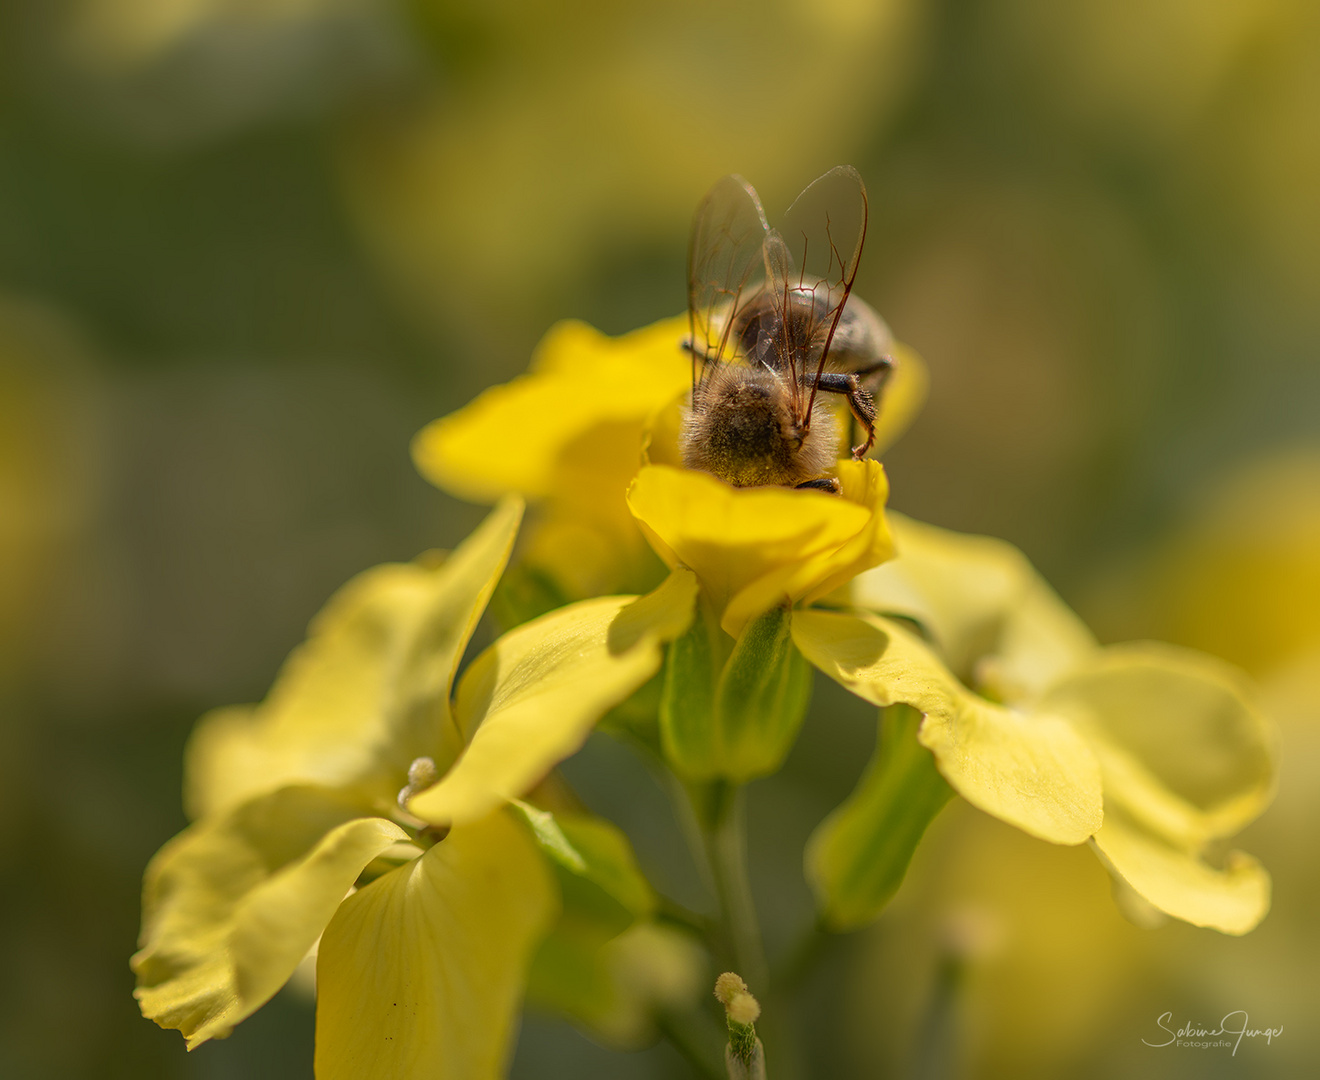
(731, 710)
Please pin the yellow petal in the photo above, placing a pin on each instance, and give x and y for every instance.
(232, 904)
(368, 692)
(1183, 749)
(1032, 771)
(753, 548)
(532, 698)
(571, 428)
(1179, 883)
(420, 973)
(584, 558)
(904, 395)
(991, 616)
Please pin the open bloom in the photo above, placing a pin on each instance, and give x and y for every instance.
(768, 553)
(568, 437)
(991, 686)
(1185, 758)
(571, 434)
(425, 930)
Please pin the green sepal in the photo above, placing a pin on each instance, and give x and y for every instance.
(617, 989)
(732, 710)
(762, 697)
(857, 857)
(598, 874)
(605, 963)
(687, 698)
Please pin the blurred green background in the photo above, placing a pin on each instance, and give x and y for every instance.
(249, 247)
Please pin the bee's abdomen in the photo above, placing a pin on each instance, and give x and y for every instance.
(742, 429)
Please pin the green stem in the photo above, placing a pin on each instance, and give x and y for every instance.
(936, 1048)
(725, 832)
(712, 817)
(672, 912)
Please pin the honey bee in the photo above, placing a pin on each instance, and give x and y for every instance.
(772, 325)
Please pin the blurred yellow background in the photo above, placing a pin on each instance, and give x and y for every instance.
(248, 248)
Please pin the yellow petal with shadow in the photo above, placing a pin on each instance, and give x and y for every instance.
(368, 692)
(753, 548)
(1033, 772)
(990, 614)
(1179, 882)
(421, 972)
(232, 904)
(1183, 749)
(533, 697)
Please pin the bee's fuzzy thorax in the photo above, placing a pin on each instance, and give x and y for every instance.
(741, 427)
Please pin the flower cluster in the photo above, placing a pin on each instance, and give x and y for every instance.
(432, 909)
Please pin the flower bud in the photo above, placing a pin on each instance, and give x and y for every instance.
(732, 710)
(744, 1057)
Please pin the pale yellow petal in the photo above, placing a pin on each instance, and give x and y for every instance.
(420, 973)
(571, 428)
(532, 698)
(368, 692)
(1182, 746)
(991, 616)
(753, 548)
(1180, 883)
(1032, 771)
(232, 904)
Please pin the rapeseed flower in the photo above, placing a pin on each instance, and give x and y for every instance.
(567, 436)
(427, 902)
(572, 433)
(1021, 711)
(1185, 757)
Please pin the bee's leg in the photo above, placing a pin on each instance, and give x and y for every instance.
(824, 483)
(861, 403)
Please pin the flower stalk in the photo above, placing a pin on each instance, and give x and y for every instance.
(724, 829)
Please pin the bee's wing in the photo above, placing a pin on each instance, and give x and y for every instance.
(725, 268)
(824, 231)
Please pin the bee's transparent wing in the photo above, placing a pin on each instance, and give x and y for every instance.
(784, 325)
(725, 268)
(824, 231)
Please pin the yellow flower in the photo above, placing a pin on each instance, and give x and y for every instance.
(567, 435)
(736, 689)
(753, 548)
(425, 934)
(759, 552)
(1184, 756)
(572, 433)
